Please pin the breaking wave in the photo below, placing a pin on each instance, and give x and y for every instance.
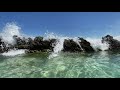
(9, 31)
(7, 34)
(97, 44)
(12, 29)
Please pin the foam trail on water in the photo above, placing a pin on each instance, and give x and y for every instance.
(13, 52)
(97, 44)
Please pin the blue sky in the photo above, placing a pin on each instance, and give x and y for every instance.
(86, 24)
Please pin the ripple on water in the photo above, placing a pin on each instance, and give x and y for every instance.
(66, 65)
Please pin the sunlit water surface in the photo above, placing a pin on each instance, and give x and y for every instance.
(65, 65)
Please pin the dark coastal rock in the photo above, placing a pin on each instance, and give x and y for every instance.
(1, 43)
(114, 45)
(40, 44)
(86, 46)
(38, 39)
(20, 41)
(34, 45)
(3, 47)
(47, 44)
(72, 46)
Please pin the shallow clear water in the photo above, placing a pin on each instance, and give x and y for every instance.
(65, 65)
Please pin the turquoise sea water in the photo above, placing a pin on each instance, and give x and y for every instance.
(65, 65)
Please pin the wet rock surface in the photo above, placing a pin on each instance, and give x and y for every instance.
(3, 47)
(86, 46)
(71, 46)
(114, 45)
(38, 44)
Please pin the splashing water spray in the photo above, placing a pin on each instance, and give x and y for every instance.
(7, 34)
(12, 29)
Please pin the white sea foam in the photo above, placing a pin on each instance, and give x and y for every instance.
(13, 52)
(49, 35)
(117, 38)
(58, 47)
(97, 44)
(75, 39)
(9, 31)
(12, 29)
(7, 34)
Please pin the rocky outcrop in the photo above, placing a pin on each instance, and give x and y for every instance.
(83, 46)
(71, 46)
(36, 44)
(21, 43)
(39, 44)
(3, 47)
(86, 46)
(114, 45)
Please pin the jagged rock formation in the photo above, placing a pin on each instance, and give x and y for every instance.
(86, 46)
(114, 45)
(71, 46)
(3, 47)
(38, 44)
